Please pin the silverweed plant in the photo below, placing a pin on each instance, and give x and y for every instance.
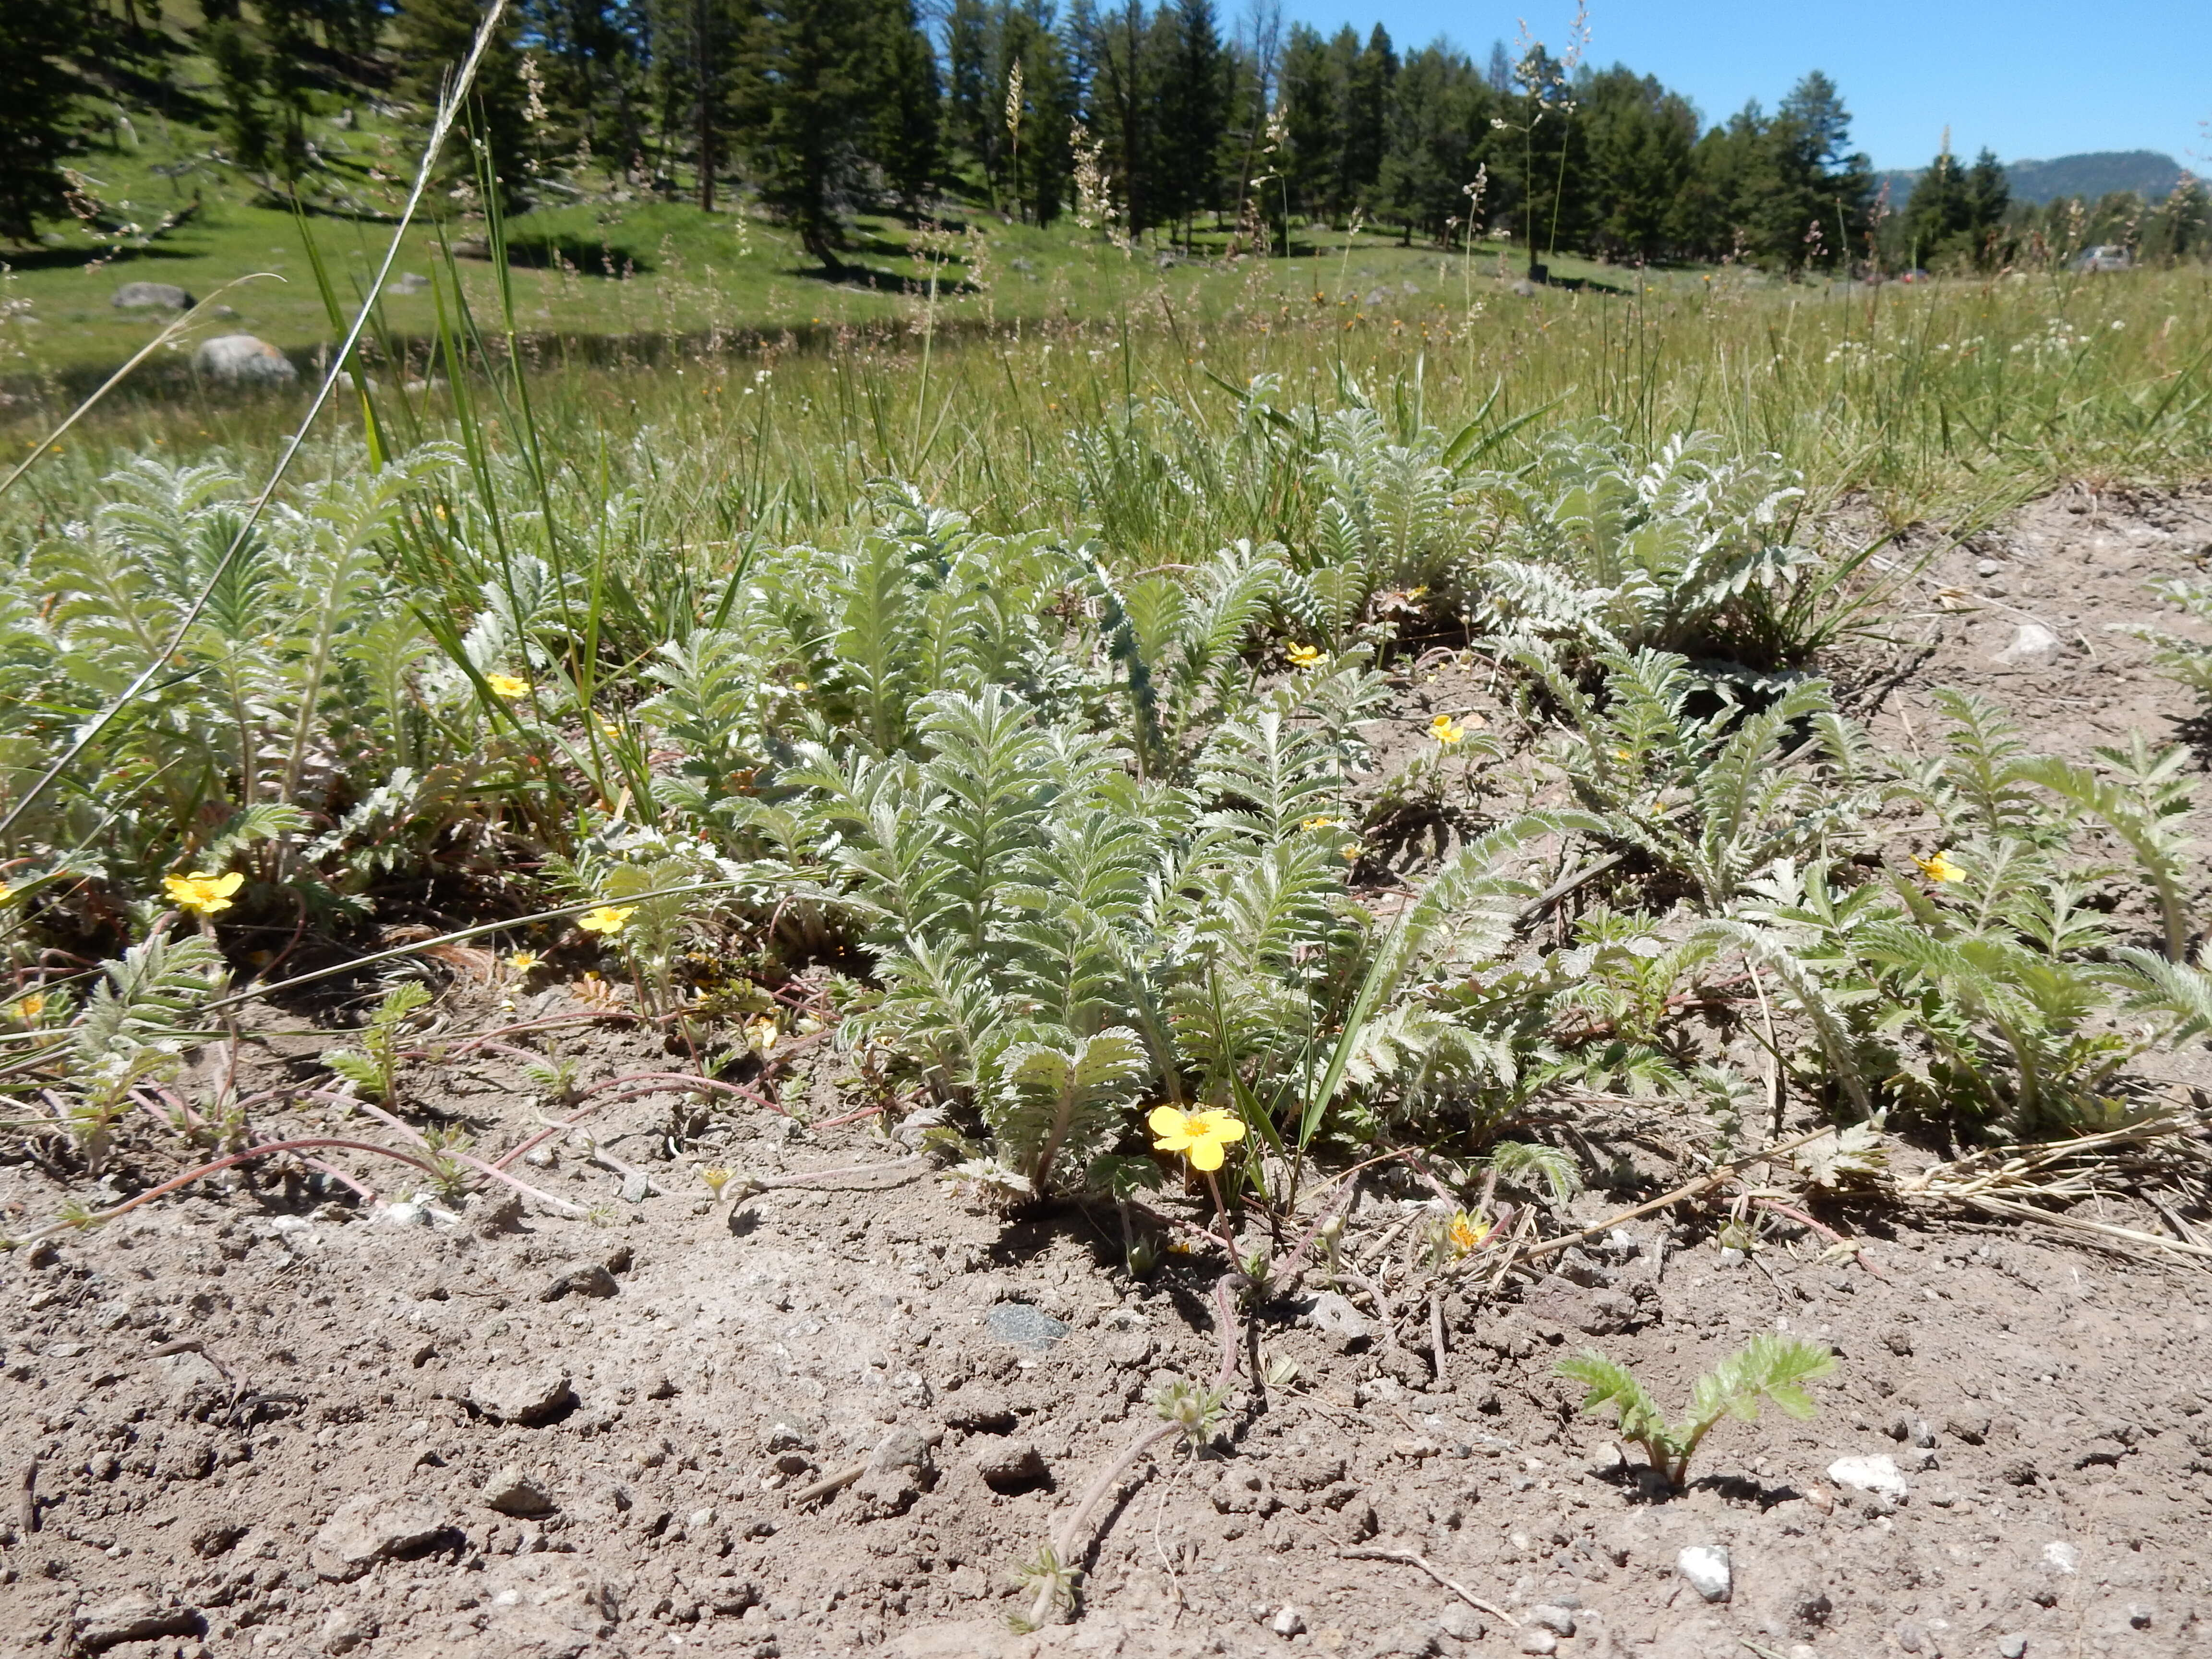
(1767, 1371)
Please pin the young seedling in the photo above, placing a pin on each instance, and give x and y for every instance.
(1765, 1369)
(374, 1069)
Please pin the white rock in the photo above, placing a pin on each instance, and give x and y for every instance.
(243, 360)
(2029, 640)
(1878, 1473)
(1704, 1567)
(1287, 1621)
(1533, 1640)
(403, 1215)
(2065, 1557)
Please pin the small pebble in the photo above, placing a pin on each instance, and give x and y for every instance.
(1560, 1621)
(1533, 1640)
(2011, 1647)
(1287, 1621)
(1706, 1568)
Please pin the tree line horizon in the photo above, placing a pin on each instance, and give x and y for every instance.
(1155, 124)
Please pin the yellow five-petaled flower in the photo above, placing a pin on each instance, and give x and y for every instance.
(1303, 656)
(201, 893)
(1321, 823)
(1446, 729)
(1467, 1231)
(523, 961)
(506, 685)
(608, 920)
(1941, 868)
(1198, 1136)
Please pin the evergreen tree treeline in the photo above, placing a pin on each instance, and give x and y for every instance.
(1184, 125)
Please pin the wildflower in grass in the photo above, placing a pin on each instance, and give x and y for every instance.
(1349, 852)
(716, 1178)
(201, 893)
(1320, 823)
(27, 1009)
(761, 1032)
(6, 892)
(1198, 1136)
(608, 920)
(1303, 656)
(506, 685)
(1447, 731)
(1941, 868)
(523, 961)
(1466, 1232)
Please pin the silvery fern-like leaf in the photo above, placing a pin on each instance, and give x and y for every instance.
(134, 1023)
(1057, 1107)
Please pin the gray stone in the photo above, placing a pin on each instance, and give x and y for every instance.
(370, 1528)
(513, 1493)
(151, 296)
(1462, 1623)
(2011, 1645)
(2031, 641)
(1535, 1639)
(1547, 1615)
(1007, 1465)
(1287, 1621)
(404, 1215)
(242, 359)
(133, 1617)
(590, 1279)
(521, 1394)
(183, 1373)
(902, 1449)
(1334, 1317)
(1021, 1326)
(1706, 1568)
(346, 1629)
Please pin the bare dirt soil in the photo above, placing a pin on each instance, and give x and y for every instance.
(270, 1420)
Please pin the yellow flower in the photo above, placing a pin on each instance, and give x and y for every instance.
(608, 920)
(1320, 823)
(203, 894)
(506, 685)
(1349, 852)
(1198, 1136)
(1446, 729)
(1417, 593)
(27, 1009)
(1303, 656)
(1467, 1231)
(6, 892)
(1941, 868)
(716, 1178)
(763, 1035)
(523, 961)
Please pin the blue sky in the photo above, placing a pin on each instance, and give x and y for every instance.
(2028, 78)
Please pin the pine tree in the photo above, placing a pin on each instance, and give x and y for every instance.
(1193, 87)
(804, 76)
(241, 118)
(35, 115)
(434, 39)
(1641, 137)
(1119, 72)
(1311, 98)
(1365, 119)
(909, 102)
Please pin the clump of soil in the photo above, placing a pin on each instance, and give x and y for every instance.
(838, 1417)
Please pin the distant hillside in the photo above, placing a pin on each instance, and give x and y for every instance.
(2145, 171)
(2093, 174)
